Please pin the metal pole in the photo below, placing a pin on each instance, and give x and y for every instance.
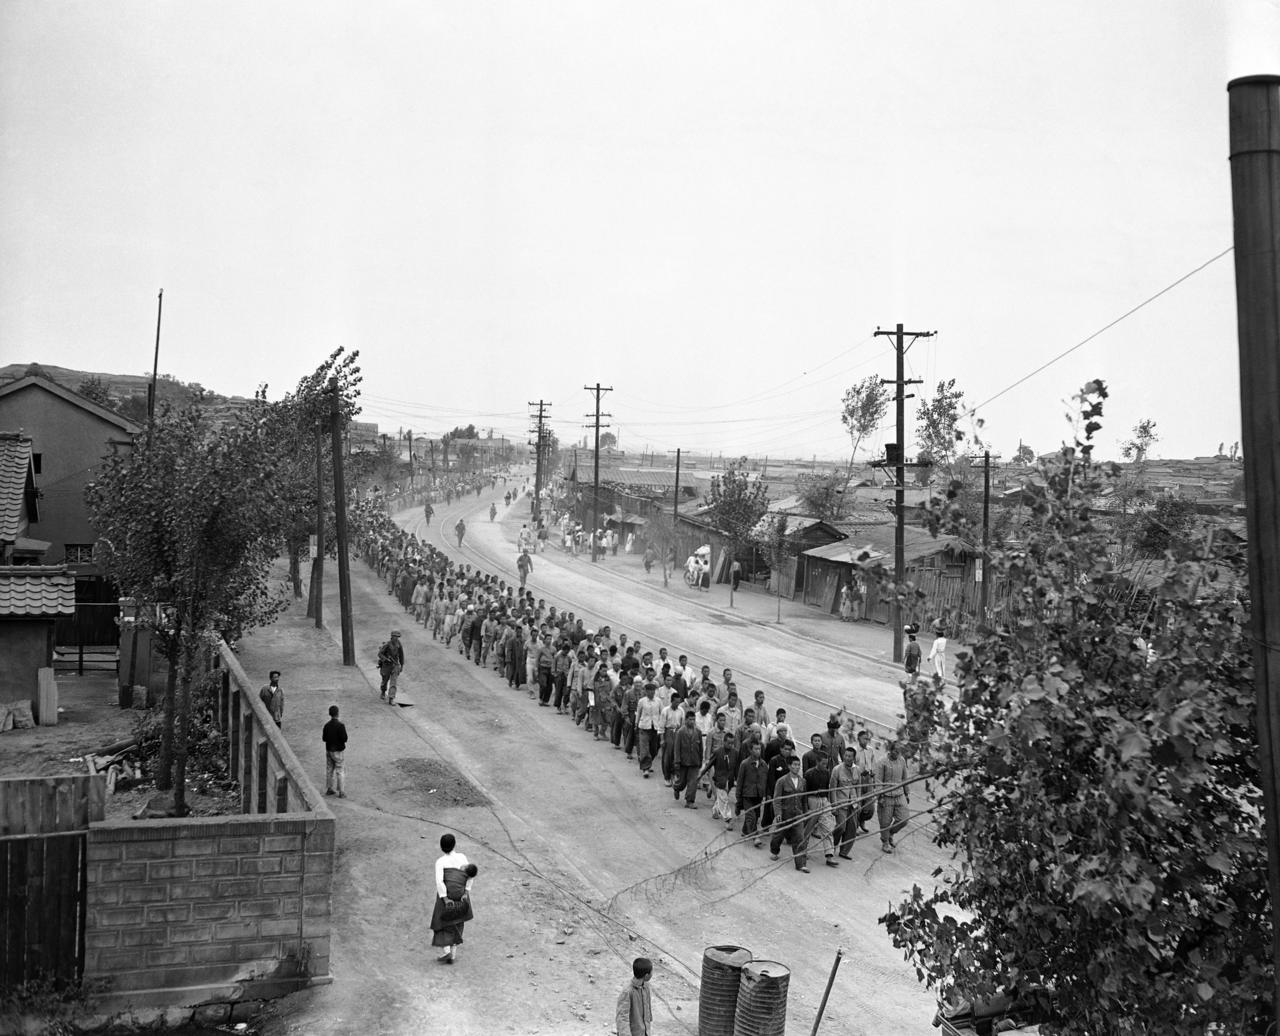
(986, 536)
(1254, 108)
(155, 371)
(595, 485)
(317, 564)
(675, 501)
(340, 516)
(900, 477)
(822, 1007)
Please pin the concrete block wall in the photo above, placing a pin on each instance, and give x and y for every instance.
(209, 908)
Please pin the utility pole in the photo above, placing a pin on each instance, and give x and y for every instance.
(898, 462)
(340, 516)
(538, 442)
(675, 501)
(1254, 119)
(155, 372)
(317, 563)
(984, 579)
(409, 435)
(595, 492)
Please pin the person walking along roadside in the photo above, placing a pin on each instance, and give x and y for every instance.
(390, 666)
(454, 875)
(334, 736)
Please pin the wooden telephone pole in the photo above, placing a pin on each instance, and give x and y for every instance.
(340, 516)
(538, 443)
(595, 492)
(899, 464)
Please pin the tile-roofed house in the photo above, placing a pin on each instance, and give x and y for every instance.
(32, 597)
(70, 437)
(33, 591)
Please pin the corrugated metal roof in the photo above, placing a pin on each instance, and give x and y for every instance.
(15, 469)
(877, 541)
(848, 552)
(36, 590)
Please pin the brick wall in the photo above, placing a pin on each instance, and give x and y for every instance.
(212, 909)
(215, 907)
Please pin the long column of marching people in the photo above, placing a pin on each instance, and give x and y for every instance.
(665, 715)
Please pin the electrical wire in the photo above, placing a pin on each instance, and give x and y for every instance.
(1123, 316)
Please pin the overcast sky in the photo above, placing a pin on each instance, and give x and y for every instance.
(708, 206)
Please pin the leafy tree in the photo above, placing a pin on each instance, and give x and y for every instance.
(291, 426)
(735, 506)
(1165, 526)
(1103, 808)
(1025, 454)
(469, 432)
(608, 440)
(1144, 437)
(134, 408)
(937, 424)
(821, 496)
(187, 521)
(862, 409)
(1236, 491)
(778, 545)
(660, 531)
(94, 389)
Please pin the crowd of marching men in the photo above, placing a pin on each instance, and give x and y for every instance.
(670, 718)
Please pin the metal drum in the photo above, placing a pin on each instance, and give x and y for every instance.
(762, 999)
(718, 997)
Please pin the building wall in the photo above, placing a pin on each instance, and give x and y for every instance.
(71, 442)
(209, 904)
(216, 909)
(26, 645)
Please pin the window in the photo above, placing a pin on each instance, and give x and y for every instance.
(79, 554)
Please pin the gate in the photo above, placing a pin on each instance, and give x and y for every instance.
(44, 823)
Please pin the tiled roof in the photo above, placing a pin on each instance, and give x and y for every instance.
(15, 469)
(33, 590)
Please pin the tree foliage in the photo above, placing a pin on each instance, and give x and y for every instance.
(1139, 445)
(822, 496)
(778, 544)
(93, 388)
(608, 440)
(1166, 526)
(735, 506)
(862, 409)
(1025, 454)
(1103, 807)
(291, 425)
(188, 523)
(938, 424)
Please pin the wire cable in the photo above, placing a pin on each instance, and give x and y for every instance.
(1123, 316)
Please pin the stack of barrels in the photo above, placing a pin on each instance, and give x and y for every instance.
(741, 996)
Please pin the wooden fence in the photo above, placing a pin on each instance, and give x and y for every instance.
(44, 824)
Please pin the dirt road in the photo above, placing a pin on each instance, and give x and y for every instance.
(583, 864)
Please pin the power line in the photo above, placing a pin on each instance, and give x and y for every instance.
(1141, 305)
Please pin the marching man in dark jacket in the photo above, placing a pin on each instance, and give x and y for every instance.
(753, 777)
(788, 815)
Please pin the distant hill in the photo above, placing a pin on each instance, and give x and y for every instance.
(125, 393)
